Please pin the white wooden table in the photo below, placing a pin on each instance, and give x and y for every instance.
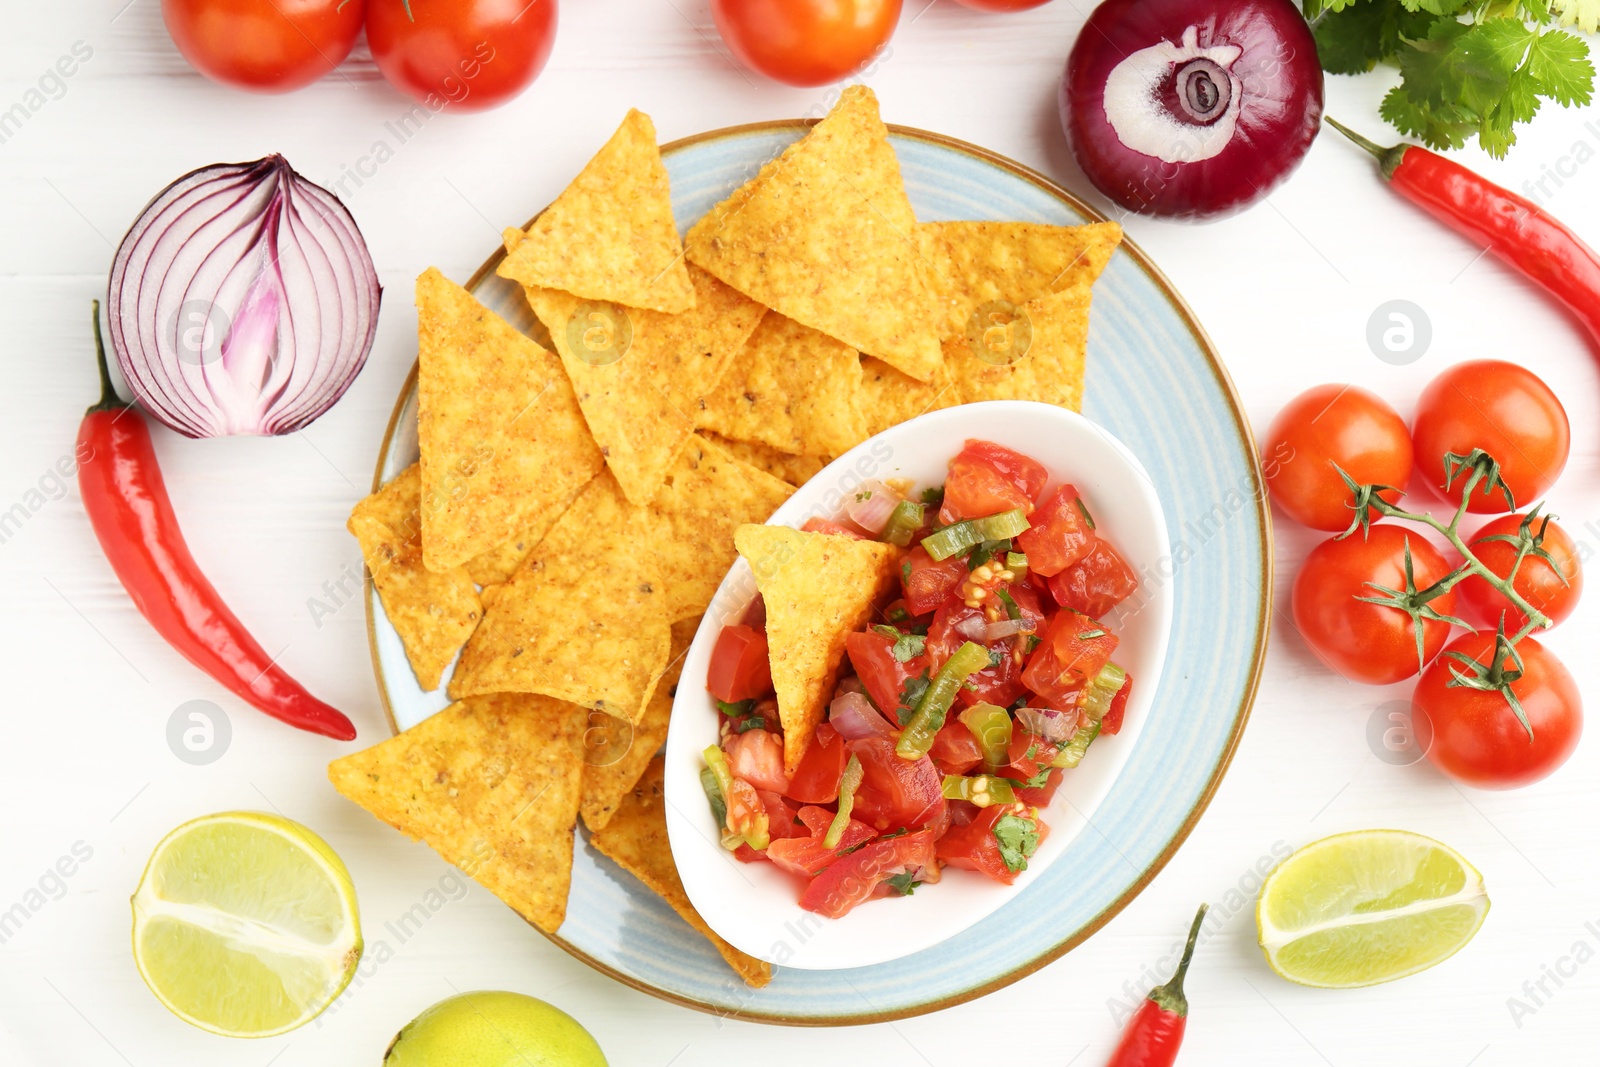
(1285, 290)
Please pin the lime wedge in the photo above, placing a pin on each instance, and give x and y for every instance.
(245, 924)
(1366, 907)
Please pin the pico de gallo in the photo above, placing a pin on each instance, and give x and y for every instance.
(955, 715)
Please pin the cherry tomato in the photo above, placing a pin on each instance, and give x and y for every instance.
(883, 676)
(1001, 5)
(1473, 735)
(816, 779)
(267, 46)
(467, 55)
(927, 584)
(1328, 425)
(1369, 642)
(1073, 649)
(986, 479)
(806, 42)
(1503, 409)
(1059, 532)
(895, 792)
(1553, 590)
(1095, 584)
(740, 669)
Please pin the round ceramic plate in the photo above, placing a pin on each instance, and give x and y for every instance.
(1155, 382)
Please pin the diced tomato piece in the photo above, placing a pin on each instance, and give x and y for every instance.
(837, 529)
(1058, 533)
(998, 684)
(783, 817)
(1025, 756)
(816, 779)
(1112, 722)
(986, 479)
(883, 676)
(739, 667)
(745, 809)
(1030, 603)
(974, 846)
(955, 750)
(757, 757)
(895, 792)
(1042, 795)
(1095, 584)
(927, 584)
(805, 854)
(855, 878)
(745, 854)
(1074, 649)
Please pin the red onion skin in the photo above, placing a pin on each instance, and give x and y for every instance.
(854, 718)
(1280, 108)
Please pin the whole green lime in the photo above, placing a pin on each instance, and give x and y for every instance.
(493, 1030)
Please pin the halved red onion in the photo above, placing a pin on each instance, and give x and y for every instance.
(854, 718)
(869, 507)
(1054, 726)
(974, 628)
(242, 301)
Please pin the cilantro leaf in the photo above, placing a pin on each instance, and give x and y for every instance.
(911, 695)
(736, 710)
(906, 646)
(1559, 64)
(1038, 781)
(1018, 839)
(902, 883)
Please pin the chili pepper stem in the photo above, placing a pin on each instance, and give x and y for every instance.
(1388, 158)
(1170, 997)
(109, 400)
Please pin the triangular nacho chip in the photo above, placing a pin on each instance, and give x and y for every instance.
(610, 235)
(503, 441)
(616, 752)
(501, 562)
(818, 589)
(825, 235)
(491, 784)
(583, 619)
(636, 840)
(434, 613)
(972, 264)
(1037, 353)
(792, 388)
(796, 470)
(708, 495)
(889, 398)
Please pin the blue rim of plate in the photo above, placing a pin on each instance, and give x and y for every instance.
(1235, 525)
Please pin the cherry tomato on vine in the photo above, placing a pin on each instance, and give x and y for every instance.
(1552, 590)
(266, 46)
(467, 55)
(806, 42)
(1001, 5)
(1369, 643)
(1473, 736)
(1327, 425)
(1507, 411)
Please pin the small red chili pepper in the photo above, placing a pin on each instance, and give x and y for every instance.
(126, 499)
(1511, 226)
(1155, 1033)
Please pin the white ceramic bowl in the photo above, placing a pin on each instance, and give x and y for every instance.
(755, 905)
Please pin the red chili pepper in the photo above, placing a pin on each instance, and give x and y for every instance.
(1155, 1033)
(1513, 227)
(127, 502)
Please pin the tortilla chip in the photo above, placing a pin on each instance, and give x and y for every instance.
(825, 235)
(583, 619)
(610, 235)
(636, 840)
(498, 564)
(975, 263)
(819, 589)
(889, 398)
(640, 397)
(1039, 354)
(491, 784)
(616, 752)
(790, 388)
(503, 440)
(796, 470)
(434, 614)
(708, 495)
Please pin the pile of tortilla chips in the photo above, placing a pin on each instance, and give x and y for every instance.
(578, 498)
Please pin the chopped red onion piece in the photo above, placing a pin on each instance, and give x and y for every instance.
(854, 717)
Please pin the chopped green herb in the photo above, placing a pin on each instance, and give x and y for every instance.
(1018, 839)
(906, 646)
(985, 551)
(1012, 611)
(898, 613)
(752, 722)
(902, 883)
(1083, 509)
(1038, 781)
(736, 710)
(905, 571)
(1090, 635)
(863, 496)
(911, 695)
(933, 496)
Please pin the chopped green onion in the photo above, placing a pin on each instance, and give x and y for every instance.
(917, 737)
(991, 726)
(983, 790)
(904, 521)
(1076, 746)
(849, 782)
(1097, 697)
(958, 537)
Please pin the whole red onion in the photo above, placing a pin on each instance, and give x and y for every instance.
(1191, 108)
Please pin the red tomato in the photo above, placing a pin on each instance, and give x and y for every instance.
(883, 676)
(1507, 411)
(783, 818)
(855, 879)
(1327, 425)
(1112, 722)
(986, 479)
(1095, 584)
(1369, 643)
(1026, 756)
(739, 667)
(467, 55)
(1041, 796)
(974, 847)
(895, 792)
(837, 529)
(1474, 737)
(267, 46)
(955, 750)
(1552, 590)
(1073, 649)
(816, 779)
(1001, 5)
(757, 757)
(806, 42)
(1000, 684)
(927, 584)
(805, 854)
(1059, 532)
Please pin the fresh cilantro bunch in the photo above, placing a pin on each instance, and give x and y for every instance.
(1466, 68)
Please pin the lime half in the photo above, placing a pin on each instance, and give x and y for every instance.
(245, 924)
(1366, 907)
